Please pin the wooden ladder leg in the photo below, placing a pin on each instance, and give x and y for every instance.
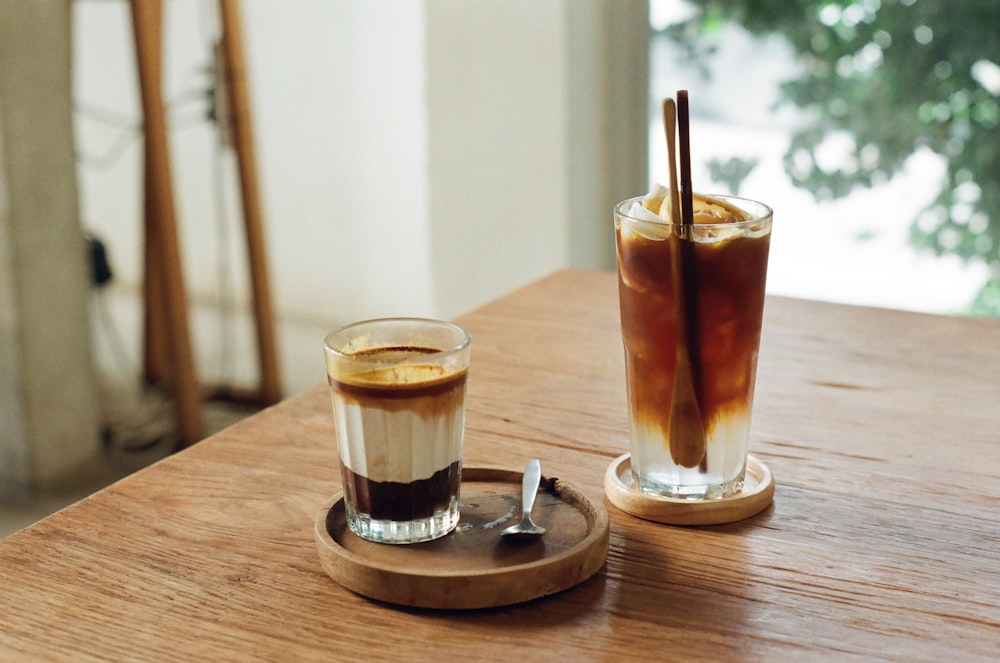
(242, 132)
(155, 361)
(147, 23)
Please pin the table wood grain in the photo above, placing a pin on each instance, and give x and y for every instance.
(883, 542)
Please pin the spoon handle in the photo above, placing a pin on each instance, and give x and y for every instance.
(529, 486)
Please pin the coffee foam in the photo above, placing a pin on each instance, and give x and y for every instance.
(411, 375)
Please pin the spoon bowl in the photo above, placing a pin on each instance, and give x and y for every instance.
(526, 529)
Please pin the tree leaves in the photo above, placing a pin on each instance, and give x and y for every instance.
(895, 76)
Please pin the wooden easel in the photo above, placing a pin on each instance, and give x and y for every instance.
(168, 357)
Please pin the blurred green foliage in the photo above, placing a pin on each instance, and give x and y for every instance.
(894, 76)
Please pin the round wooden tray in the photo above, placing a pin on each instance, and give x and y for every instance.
(621, 490)
(473, 567)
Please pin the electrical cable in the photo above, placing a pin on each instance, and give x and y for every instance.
(210, 26)
(223, 268)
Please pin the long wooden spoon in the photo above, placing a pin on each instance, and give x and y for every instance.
(687, 428)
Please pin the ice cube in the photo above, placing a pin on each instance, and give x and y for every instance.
(713, 210)
(654, 200)
(638, 211)
(717, 233)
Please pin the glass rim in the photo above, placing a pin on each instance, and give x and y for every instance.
(466, 337)
(765, 212)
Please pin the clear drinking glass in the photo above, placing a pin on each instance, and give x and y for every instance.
(723, 276)
(398, 389)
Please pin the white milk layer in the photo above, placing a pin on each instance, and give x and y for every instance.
(400, 439)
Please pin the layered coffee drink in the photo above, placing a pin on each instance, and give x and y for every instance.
(401, 442)
(399, 412)
(720, 283)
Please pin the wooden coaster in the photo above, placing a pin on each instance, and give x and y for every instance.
(622, 491)
(473, 567)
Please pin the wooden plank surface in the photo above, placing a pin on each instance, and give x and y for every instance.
(883, 541)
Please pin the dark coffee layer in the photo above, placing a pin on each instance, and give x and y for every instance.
(727, 301)
(393, 500)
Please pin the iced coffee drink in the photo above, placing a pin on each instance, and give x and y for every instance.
(722, 279)
(398, 389)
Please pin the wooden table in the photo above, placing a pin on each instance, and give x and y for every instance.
(883, 541)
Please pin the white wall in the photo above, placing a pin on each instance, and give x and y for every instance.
(500, 107)
(340, 147)
(415, 156)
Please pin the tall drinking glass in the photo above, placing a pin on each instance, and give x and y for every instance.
(721, 278)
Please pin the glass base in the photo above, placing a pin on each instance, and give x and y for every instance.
(692, 492)
(402, 531)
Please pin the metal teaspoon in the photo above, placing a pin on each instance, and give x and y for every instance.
(527, 529)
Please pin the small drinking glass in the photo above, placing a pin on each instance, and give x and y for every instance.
(398, 389)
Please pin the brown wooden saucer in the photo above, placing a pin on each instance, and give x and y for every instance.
(622, 491)
(473, 567)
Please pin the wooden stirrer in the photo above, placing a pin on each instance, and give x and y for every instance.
(687, 428)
